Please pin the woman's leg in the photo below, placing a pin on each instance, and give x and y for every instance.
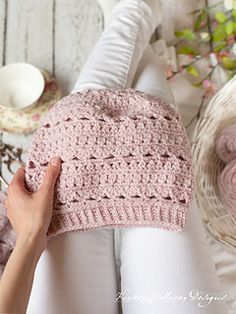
(150, 77)
(76, 274)
(162, 271)
(115, 57)
(168, 272)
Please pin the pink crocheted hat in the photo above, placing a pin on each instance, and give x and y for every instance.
(125, 157)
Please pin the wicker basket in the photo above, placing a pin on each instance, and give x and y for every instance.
(220, 113)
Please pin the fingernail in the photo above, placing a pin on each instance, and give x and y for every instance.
(55, 161)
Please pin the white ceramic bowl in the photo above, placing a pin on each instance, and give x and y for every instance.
(21, 85)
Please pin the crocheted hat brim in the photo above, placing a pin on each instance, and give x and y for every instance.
(137, 213)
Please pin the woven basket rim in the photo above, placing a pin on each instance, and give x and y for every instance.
(220, 113)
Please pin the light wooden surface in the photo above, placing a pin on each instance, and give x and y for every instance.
(55, 35)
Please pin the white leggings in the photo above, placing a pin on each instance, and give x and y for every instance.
(160, 271)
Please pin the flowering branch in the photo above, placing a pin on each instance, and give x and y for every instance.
(219, 33)
(203, 97)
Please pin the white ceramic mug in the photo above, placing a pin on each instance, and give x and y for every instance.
(21, 85)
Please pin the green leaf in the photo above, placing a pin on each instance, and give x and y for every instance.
(220, 17)
(234, 13)
(219, 47)
(219, 33)
(200, 18)
(229, 28)
(186, 33)
(186, 50)
(231, 74)
(229, 63)
(234, 27)
(192, 70)
(198, 84)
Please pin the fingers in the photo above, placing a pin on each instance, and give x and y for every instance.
(18, 180)
(51, 175)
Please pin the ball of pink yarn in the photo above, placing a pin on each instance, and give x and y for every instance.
(227, 186)
(226, 144)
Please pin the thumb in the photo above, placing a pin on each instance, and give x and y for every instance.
(51, 175)
(18, 179)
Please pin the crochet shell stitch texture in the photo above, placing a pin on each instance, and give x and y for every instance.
(126, 161)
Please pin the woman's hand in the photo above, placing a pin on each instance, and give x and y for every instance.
(30, 213)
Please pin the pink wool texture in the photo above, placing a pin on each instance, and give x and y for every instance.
(226, 144)
(227, 186)
(126, 162)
